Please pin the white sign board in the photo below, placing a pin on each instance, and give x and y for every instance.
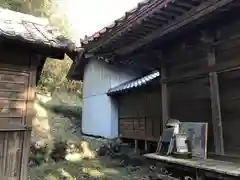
(197, 133)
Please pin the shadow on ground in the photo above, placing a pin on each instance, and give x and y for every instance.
(103, 168)
(51, 125)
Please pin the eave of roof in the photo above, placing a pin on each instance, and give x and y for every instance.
(131, 18)
(124, 36)
(166, 13)
(32, 30)
(135, 83)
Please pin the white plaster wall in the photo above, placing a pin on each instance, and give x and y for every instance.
(100, 112)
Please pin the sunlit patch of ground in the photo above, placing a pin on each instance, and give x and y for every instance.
(86, 152)
(48, 126)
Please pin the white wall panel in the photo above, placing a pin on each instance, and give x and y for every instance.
(100, 113)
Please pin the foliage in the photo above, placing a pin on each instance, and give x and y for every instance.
(41, 8)
(54, 76)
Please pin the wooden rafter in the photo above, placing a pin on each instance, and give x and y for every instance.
(176, 8)
(159, 18)
(166, 13)
(196, 13)
(184, 4)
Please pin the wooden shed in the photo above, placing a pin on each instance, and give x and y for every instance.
(25, 43)
(139, 101)
(194, 45)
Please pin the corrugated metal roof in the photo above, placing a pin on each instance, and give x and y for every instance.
(31, 29)
(135, 83)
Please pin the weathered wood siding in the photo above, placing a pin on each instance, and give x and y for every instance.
(17, 93)
(202, 84)
(10, 154)
(189, 99)
(14, 96)
(229, 85)
(140, 115)
(192, 90)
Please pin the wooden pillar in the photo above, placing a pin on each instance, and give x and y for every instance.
(215, 104)
(135, 146)
(200, 175)
(28, 123)
(146, 146)
(164, 97)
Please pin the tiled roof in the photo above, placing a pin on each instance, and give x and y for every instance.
(142, 8)
(153, 18)
(30, 29)
(135, 83)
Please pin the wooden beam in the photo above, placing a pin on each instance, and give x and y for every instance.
(175, 8)
(219, 68)
(195, 13)
(165, 110)
(167, 13)
(151, 25)
(184, 4)
(31, 113)
(215, 104)
(73, 69)
(159, 18)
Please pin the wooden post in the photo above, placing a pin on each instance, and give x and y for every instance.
(215, 104)
(164, 98)
(136, 146)
(199, 175)
(28, 121)
(146, 146)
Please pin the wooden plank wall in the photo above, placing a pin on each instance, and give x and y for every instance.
(13, 101)
(203, 85)
(11, 153)
(189, 99)
(17, 85)
(140, 115)
(229, 88)
(13, 96)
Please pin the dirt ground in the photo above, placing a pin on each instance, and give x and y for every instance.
(49, 126)
(99, 168)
